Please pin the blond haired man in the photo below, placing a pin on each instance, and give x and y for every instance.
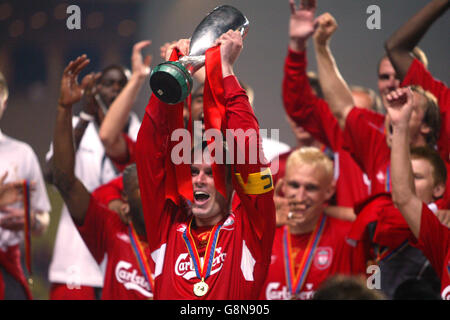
(311, 246)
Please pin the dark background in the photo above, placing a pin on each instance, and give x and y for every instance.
(36, 45)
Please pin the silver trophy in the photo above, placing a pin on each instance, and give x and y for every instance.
(171, 81)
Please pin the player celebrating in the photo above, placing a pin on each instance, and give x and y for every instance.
(200, 248)
(434, 238)
(311, 246)
(127, 274)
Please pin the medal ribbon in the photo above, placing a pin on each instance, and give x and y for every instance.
(27, 225)
(200, 270)
(140, 256)
(386, 254)
(388, 179)
(296, 284)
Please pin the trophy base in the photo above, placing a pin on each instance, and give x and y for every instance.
(171, 82)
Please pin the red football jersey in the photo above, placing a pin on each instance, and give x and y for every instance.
(333, 255)
(434, 241)
(104, 233)
(419, 75)
(314, 115)
(242, 252)
(369, 148)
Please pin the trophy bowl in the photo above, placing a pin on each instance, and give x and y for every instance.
(171, 81)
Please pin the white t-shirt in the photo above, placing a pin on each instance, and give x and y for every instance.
(20, 161)
(72, 263)
(272, 148)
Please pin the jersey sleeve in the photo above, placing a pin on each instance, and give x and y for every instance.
(252, 179)
(434, 239)
(97, 228)
(365, 142)
(418, 75)
(151, 153)
(305, 108)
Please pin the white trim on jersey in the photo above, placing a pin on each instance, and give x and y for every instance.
(158, 257)
(247, 263)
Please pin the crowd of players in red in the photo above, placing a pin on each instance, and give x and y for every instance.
(362, 188)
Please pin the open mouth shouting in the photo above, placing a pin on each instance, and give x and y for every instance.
(201, 197)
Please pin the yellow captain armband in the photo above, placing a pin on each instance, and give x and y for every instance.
(257, 183)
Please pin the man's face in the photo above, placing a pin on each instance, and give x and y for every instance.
(307, 188)
(112, 82)
(424, 181)
(416, 127)
(208, 203)
(304, 138)
(387, 79)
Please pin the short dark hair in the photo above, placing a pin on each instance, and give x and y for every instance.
(346, 288)
(433, 157)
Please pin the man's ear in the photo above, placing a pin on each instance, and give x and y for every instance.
(438, 190)
(331, 189)
(124, 213)
(424, 129)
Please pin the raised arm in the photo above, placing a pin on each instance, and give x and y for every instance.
(299, 101)
(117, 116)
(400, 45)
(72, 190)
(253, 181)
(335, 90)
(400, 106)
(90, 112)
(239, 114)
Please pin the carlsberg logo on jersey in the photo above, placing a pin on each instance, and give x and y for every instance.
(275, 292)
(184, 267)
(131, 280)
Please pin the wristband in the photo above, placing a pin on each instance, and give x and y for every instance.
(86, 117)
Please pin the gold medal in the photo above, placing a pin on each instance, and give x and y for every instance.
(200, 288)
